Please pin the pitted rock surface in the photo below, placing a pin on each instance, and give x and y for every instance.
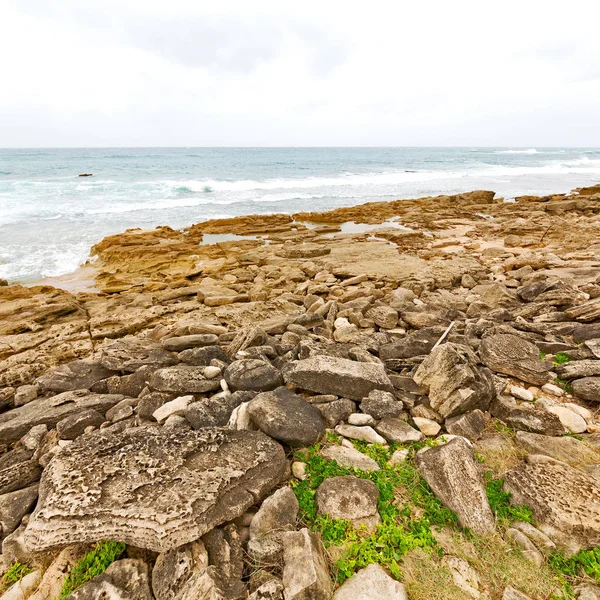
(565, 501)
(152, 488)
(131, 353)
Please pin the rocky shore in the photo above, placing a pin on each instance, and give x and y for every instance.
(389, 401)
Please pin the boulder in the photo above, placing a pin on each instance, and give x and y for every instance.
(76, 375)
(468, 425)
(380, 404)
(336, 411)
(216, 410)
(74, 426)
(349, 458)
(182, 380)
(339, 376)
(513, 355)
(174, 567)
(131, 353)
(202, 357)
(49, 411)
(192, 481)
(14, 506)
(565, 448)
(252, 374)
(526, 418)
(456, 384)
(286, 417)
(587, 388)
(577, 369)
(371, 583)
(456, 479)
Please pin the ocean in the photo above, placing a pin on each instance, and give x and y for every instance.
(50, 217)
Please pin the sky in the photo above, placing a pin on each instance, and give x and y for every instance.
(327, 73)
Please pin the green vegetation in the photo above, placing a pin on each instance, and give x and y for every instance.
(16, 572)
(564, 384)
(586, 562)
(402, 492)
(561, 358)
(500, 504)
(91, 565)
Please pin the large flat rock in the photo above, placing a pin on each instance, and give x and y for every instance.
(152, 488)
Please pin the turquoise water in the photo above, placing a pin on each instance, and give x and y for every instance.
(49, 217)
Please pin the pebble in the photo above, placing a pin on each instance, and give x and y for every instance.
(521, 393)
(173, 407)
(398, 457)
(361, 419)
(212, 372)
(552, 389)
(299, 470)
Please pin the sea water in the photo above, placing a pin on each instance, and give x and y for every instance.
(50, 217)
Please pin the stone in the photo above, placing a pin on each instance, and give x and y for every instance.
(349, 458)
(397, 430)
(206, 585)
(456, 479)
(414, 344)
(216, 410)
(527, 418)
(454, 381)
(18, 469)
(360, 419)
(380, 404)
(336, 411)
(587, 388)
(202, 357)
(185, 342)
(427, 426)
(371, 583)
(339, 376)
(49, 411)
(305, 570)
(173, 407)
(578, 369)
(25, 394)
(183, 379)
(384, 316)
(586, 591)
(553, 390)
(14, 506)
(299, 470)
(527, 547)
(464, 575)
(252, 374)
(174, 567)
(76, 375)
(247, 338)
(511, 594)
(73, 426)
(468, 425)
(539, 538)
(286, 417)
(398, 457)
(126, 579)
(521, 393)
(366, 433)
(131, 353)
(129, 385)
(569, 419)
(565, 501)
(192, 481)
(566, 448)
(271, 590)
(22, 589)
(513, 355)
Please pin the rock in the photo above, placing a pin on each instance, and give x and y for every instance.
(349, 458)
(464, 575)
(336, 411)
(74, 426)
(206, 585)
(587, 312)
(587, 388)
(286, 417)
(150, 402)
(469, 425)
(569, 419)
(202, 357)
(252, 374)
(277, 514)
(521, 393)
(566, 449)
(530, 552)
(456, 384)
(578, 369)
(539, 538)
(76, 375)
(527, 418)
(174, 407)
(129, 385)
(553, 390)
(131, 353)
(456, 479)
(366, 433)
(18, 469)
(216, 410)
(586, 591)
(513, 355)
(384, 316)
(14, 506)
(360, 419)
(183, 380)
(22, 589)
(349, 497)
(415, 344)
(565, 501)
(185, 342)
(398, 457)
(371, 583)
(511, 594)
(305, 570)
(126, 579)
(380, 404)
(427, 426)
(25, 394)
(174, 567)
(89, 491)
(49, 411)
(271, 590)
(299, 470)
(339, 376)
(397, 430)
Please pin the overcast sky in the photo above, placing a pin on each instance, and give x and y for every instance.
(252, 73)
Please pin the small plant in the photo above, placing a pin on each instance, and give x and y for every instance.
(500, 504)
(586, 562)
(564, 384)
(91, 565)
(542, 355)
(561, 358)
(16, 572)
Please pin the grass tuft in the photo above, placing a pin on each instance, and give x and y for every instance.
(16, 572)
(500, 504)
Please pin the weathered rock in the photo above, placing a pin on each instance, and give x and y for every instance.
(469, 425)
(349, 497)
(380, 404)
(350, 458)
(76, 375)
(183, 379)
(415, 344)
(527, 418)
(566, 449)
(569, 419)
(577, 369)
(513, 355)
(252, 374)
(527, 547)
(305, 571)
(587, 388)
(286, 417)
(174, 567)
(371, 583)
(14, 506)
(336, 411)
(129, 385)
(22, 589)
(456, 384)
(511, 594)
(126, 579)
(464, 575)
(90, 491)
(185, 342)
(18, 469)
(177, 406)
(25, 394)
(206, 585)
(366, 433)
(73, 426)
(270, 590)
(456, 479)
(427, 427)
(215, 411)
(247, 338)
(565, 501)
(131, 353)
(384, 316)
(199, 357)
(150, 402)
(49, 411)
(225, 552)
(539, 538)
(339, 376)
(586, 591)
(397, 430)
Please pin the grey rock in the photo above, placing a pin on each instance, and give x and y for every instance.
(349, 458)
(76, 375)
(527, 547)
(593, 346)
(469, 425)
(305, 570)
(73, 426)
(340, 376)
(286, 417)
(566, 449)
(587, 388)
(252, 374)
(511, 594)
(336, 411)
(18, 469)
(202, 357)
(579, 368)
(192, 481)
(185, 342)
(49, 411)
(397, 430)
(456, 384)
(527, 418)
(148, 403)
(225, 552)
(25, 394)
(126, 579)
(131, 353)
(174, 567)
(414, 344)
(513, 355)
(215, 411)
(456, 479)
(271, 590)
(371, 583)
(14, 506)
(380, 404)
(207, 585)
(130, 385)
(182, 380)
(247, 338)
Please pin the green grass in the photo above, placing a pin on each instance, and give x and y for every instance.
(91, 565)
(500, 504)
(16, 572)
(401, 490)
(561, 358)
(586, 562)
(564, 384)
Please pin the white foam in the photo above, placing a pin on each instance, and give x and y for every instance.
(529, 151)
